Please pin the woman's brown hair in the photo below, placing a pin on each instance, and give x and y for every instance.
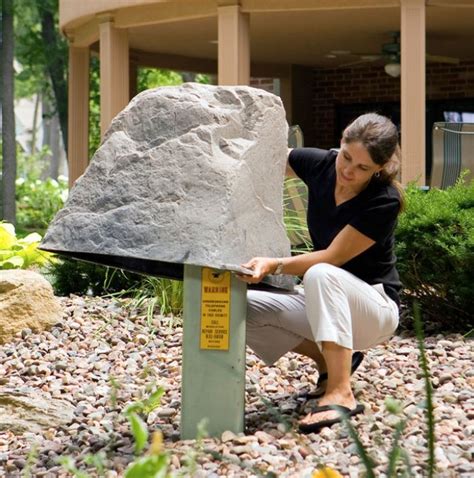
(379, 136)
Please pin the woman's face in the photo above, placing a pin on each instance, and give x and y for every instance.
(354, 166)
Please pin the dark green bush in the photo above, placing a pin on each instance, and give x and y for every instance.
(435, 251)
(69, 276)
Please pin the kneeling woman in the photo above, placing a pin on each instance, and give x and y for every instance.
(350, 298)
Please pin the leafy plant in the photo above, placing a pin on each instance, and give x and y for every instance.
(137, 425)
(38, 201)
(69, 464)
(295, 202)
(154, 464)
(147, 405)
(20, 253)
(435, 251)
(139, 431)
(97, 460)
(429, 392)
(149, 466)
(152, 292)
(31, 459)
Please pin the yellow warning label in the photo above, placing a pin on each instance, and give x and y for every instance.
(215, 309)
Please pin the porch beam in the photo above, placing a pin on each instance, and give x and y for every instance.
(201, 65)
(254, 6)
(84, 35)
(154, 14)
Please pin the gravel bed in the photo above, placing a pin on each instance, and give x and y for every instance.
(99, 338)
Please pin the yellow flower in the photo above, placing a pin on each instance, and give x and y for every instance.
(326, 472)
(156, 447)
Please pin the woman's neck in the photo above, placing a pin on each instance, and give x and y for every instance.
(349, 191)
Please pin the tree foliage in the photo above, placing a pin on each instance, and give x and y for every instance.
(43, 55)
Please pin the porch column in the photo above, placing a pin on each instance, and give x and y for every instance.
(234, 45)
(114, 71)
(78, 112)
(413, 100)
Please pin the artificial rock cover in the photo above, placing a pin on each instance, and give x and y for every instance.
(185, 175)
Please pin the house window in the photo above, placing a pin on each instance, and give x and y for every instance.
(458, 117)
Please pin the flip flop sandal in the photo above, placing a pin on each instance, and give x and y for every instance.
(357, 358)
(343, 412)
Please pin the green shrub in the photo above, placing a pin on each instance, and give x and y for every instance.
(435, 251)
(69, 276)
(38, 201)
(20, 253)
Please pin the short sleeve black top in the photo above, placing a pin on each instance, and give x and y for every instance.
(373, 212)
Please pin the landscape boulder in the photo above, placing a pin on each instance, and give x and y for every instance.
(27, 301)
(30, 410)
(191, 174)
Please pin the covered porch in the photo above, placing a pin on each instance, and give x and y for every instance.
(290, 41)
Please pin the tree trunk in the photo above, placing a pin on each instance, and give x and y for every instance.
(8, 115)
(34, 132)
(188, 76)
(52, 139)
(46, 160)
(55, 148)
(57, 62)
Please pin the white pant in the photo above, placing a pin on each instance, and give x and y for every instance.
(335, 306)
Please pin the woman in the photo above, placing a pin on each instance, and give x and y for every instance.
(350, 298)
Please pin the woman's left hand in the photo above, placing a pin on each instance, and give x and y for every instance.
(261, 267)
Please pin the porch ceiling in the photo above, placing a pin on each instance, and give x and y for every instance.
(306, 37)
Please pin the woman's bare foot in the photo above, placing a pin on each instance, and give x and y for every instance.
(344, 398)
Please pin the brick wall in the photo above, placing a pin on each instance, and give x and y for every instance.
(263, 83)
(373, 85)
(450, 81)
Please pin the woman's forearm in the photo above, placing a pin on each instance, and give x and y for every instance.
(298, 265)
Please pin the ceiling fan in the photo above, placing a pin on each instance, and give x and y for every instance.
(390, 54)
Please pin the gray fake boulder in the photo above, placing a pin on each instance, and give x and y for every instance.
(185, 175)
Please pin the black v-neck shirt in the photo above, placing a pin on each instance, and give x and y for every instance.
(373, 212)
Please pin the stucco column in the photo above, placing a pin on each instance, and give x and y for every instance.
(234, 46)
(114, 71)
(413, 90)
(78, 112)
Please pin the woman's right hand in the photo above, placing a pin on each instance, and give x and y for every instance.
(261, 267)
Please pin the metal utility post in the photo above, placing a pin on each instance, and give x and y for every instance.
(213, 371)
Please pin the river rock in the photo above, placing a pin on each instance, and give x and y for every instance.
(191, 174)
(30, 410)
(27, 301)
